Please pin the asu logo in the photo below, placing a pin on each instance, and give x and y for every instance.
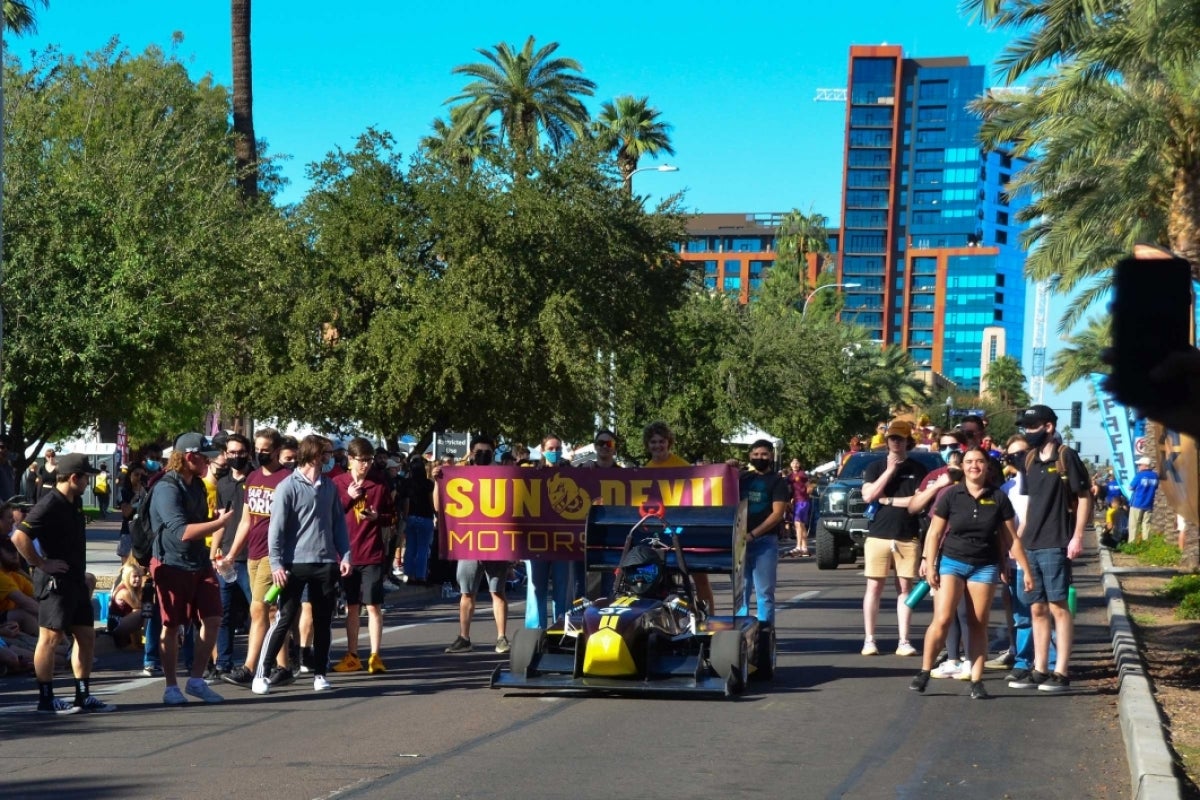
(566, 498)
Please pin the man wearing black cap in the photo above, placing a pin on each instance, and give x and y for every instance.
(57, 524)
(1051, 531)
(181, 567)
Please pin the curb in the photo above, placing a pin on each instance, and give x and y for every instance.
(1151, 765)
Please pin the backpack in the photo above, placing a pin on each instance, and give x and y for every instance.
(141, 532)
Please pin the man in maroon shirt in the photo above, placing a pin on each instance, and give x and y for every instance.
(252, 536)
(368, 505)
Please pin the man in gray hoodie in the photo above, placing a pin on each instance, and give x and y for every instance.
(308, 546)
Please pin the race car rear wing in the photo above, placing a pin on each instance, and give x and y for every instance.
(712, 537)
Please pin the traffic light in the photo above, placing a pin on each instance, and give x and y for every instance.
(1076, 415)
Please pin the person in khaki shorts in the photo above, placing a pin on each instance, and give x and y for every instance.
(893, 534)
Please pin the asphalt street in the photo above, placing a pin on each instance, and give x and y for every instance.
(832, 724)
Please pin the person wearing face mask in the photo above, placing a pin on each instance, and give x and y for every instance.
(1057, 484)
(471, 573)
(767, 495)
(541, 571)
(231, 494)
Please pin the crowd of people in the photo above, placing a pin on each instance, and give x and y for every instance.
(290, 526)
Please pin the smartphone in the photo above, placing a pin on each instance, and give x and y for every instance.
(229, 506)
(1151, 318)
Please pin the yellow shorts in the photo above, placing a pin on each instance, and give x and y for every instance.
(878, 557)
(260, 578)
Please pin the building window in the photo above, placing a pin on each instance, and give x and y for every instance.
(999, 316)
(931, 114)
(929, 136)
(1001, 217)
(933, 90)
(733, 283)
(1001, 237)
(999, 298)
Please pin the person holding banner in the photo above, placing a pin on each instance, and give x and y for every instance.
(659, 442)
(537, 588)
(471, 573)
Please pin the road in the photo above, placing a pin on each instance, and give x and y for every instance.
(833, 724)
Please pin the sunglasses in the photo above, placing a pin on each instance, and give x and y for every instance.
(605, 443)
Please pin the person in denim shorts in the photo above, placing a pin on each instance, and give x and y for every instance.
(971, 530)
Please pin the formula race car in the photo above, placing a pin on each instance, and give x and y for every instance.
(650, 635)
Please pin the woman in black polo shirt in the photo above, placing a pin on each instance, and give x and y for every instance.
(977, 520)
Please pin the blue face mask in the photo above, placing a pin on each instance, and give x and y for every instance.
(551, 457)
(946, 451)
(153, 465)
(327, 466)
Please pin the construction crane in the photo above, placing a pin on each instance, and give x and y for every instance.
(1041, 317)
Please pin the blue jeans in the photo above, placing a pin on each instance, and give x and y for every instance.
(418, 538)
(151, 656)
(1023, 621)
(567, 580)
(225, 635)
(762, 561)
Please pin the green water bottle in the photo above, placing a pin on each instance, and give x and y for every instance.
(1072, 603)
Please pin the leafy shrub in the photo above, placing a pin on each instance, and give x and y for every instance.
(1155, 551)
(1189, 607)
(1181, 586)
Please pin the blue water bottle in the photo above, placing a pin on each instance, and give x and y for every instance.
(917, 594)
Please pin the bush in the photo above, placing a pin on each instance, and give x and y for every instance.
(1189, 608)
(1181, 586)
(1155, 551)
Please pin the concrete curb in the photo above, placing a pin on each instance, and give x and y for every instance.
(1151, 765)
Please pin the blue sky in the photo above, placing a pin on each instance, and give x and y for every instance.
(737, 82)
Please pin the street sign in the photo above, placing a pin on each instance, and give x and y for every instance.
(451, 443)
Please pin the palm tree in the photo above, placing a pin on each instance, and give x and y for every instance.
(890, 375)
(19, 17)
(631, 128)
(1005, 382)
(452, 143)
(799, 236)
(1083, 354)
(245, 146)
(530, 91)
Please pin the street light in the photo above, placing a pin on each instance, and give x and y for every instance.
(660, 168)
(949, 409)
(826, 286)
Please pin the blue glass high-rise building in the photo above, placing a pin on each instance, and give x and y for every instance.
(928, 230)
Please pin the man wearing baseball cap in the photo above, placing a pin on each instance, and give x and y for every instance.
(182, 570)
(893, 535)
(58, 526)
(1141, 500)
(1060, 504)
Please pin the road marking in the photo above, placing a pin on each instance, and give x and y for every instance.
(804, 596)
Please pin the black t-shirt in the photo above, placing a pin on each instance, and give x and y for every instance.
(231, 492)
(59, 527)
(418, 488)
(761, 491)
(891, 522)
(1048, 521)
(973, 523)
(48, 477)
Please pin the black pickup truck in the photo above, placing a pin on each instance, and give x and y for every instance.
(842, 522)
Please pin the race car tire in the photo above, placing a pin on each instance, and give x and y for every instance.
(827, 549)
(728, 659)
(764, 658)
(527, 645)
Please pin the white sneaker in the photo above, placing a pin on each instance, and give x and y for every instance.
(320, 684)
(905, 649)
(869, 648)
(948, 669)
(260, 686)
(198, 687)
(964, 672)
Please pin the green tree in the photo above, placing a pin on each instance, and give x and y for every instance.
(124, 231)
(1083, 355)
(531, 91)
(1006, 382)
(631, 128)
(451, 142)
(800, 236)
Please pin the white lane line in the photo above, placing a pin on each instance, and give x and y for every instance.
(804, 596)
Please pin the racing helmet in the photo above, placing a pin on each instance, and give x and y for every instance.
(644, 569)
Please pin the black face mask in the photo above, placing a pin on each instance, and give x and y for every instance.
(1037, 439)
(238, 463)
(482, 458)
(288, 464)
(761, 464)
(263, 459)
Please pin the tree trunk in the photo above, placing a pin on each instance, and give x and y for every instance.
(1162, 517)
(246, 147)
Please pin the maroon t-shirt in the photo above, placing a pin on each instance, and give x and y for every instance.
(259, 492)
(366, 538)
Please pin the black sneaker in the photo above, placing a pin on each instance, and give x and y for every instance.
(1057, 682)
(58, 706)
(979, 691)
(239, 676)
(460, 645)
(212, 675)
(281, 676)
(920, 681)
(1031, 679)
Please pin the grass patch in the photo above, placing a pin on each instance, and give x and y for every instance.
(1153, 552)
(1180, 587)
